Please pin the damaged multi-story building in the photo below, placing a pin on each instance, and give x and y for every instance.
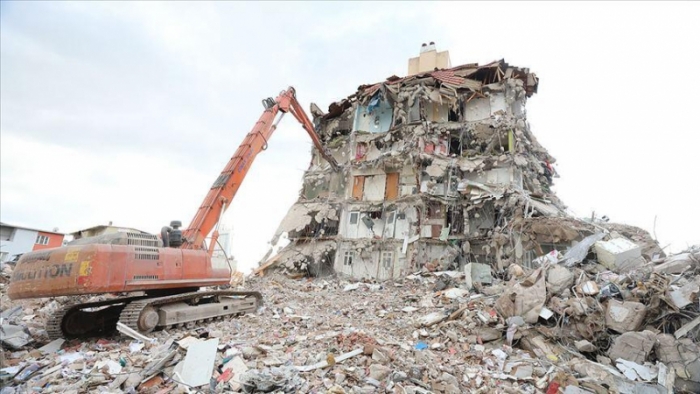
(439, 169)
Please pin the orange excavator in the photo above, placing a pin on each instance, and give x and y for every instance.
(166, 272)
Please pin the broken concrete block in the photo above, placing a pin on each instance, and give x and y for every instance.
(477, 273)
(619, 254)
(379, 372)
(432, 319)
(624, 316)
(14, 336)
(488, 334)
(558, 279)
(686, 328)
(681, 355)
(633, 346)
(524, 299)
(53, 346)
(454, 293)
(677, 263)
(585, 346)
(635, 371)
(684, 296)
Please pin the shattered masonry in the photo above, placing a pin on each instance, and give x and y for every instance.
(439, 169)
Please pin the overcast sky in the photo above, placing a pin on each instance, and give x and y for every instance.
(127, 112)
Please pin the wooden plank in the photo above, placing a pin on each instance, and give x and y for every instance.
(392, 186)
(261, 270)
(358, 187)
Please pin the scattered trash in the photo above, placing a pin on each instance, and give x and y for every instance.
(421, 346)
(122, 328)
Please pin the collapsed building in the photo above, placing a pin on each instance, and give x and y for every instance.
(439, 169)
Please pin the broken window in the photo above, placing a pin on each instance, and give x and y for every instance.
(347, 257)
(375, 117)
(316, 188)
(375, 214)
(327, 228)
(387, 259)
(482, 219)
(435, 210)
(389, 225)
(456, 145)
(360, 150)
(7, 233)
(354, 216)
(452, 116)
(455, 220)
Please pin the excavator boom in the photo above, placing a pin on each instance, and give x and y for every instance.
(226, 185)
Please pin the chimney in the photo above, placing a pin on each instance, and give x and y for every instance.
(428, 60)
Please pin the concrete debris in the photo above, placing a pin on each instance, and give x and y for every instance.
(585, 346)
(559, 279)
(437, 260)
(53, 346)
(624, 316)
(619, 253)
(633, 346)
(14, 336)
(578, 252)
(525, 299)
(477, 273)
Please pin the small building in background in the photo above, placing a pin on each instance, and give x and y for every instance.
(103, 229)
(17, 240)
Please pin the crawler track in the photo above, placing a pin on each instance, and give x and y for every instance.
(74, 321)
(131, 314)
(77, 321)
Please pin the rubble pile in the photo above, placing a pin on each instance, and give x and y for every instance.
(436, 260)
(551, 329)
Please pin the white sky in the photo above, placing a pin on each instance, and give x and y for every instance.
(127, 112)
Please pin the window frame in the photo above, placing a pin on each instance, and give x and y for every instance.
(39, 238)
(348, 257)
(383, 259)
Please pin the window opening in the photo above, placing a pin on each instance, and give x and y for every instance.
(347, 257)
(387, 259)
(42, 240)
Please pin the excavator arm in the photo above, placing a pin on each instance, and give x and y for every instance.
(226, 185)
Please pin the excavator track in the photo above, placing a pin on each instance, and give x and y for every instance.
(80, 321)
(75, 321)
(147, 314)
